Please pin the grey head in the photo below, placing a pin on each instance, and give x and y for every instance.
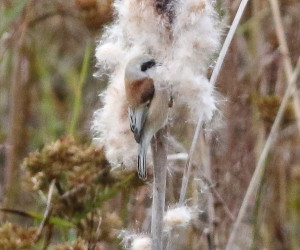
(137, 68)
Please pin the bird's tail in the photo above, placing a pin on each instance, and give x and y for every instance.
(142, 156)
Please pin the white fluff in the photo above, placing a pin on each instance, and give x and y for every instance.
(141, 243)
(177, 217)
(112, 127)
(185, 48)
(134, 241)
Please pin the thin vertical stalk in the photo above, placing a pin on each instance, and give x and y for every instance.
(227, 41)
(206, 165)
(19, 108)
(188, 165)
(159, 153)
(287, 62)
(261, 166)
(78, 91)
(47, 212)
(213, 80)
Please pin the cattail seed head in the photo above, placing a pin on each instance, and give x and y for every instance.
(182, 36)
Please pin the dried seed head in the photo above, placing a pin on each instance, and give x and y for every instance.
(178, 217)
(182, 35)
(141, 243)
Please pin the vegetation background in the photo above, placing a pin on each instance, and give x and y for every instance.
(56, 190)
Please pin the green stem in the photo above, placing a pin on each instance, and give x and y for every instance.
(78, 91)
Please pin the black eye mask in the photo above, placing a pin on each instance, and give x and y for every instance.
(147, 65)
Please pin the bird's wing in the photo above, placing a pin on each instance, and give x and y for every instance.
(139, 95)
(138, 118)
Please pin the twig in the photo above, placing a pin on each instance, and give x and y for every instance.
(213, 80)
(98, 231)
(72, 192)
(159, 153)
(212, 188)
(17, 212)
(227, 42)
(188, 165)
(221, 200)
(287, 62)
(47, 211)
(260, 167)
(206, 165)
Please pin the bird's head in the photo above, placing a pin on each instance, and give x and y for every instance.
(138, 68)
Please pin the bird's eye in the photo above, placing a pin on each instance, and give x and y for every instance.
(147, 65)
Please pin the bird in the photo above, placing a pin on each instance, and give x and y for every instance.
(147, 105)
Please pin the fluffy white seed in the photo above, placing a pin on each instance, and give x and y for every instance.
(141, 243)
(184, 47)
(177, 217)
